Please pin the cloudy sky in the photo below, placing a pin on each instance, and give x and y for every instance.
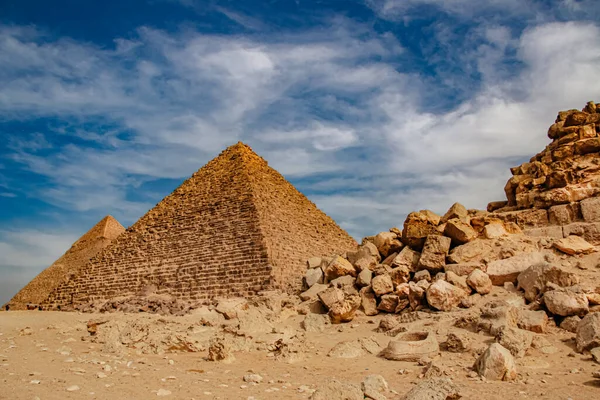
(372, 108)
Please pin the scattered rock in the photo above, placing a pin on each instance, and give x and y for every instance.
(435, 250)
(444, 296)
(315, 322)
(566, 302)
(507, 270)
(339, 267)
(344, 311)
(253, 378)
(535, 279)
(496, 364)
(533, 321)
(588, 332)
(364, 278)
(368, 301)
(334, 389)
(517, 341)
(479, 281)
(457, 343)
(574, 245)
(73, 388)
(459, 232)
(387, 243)
(313, 276)
(570, 324)
(434, 389)
(382, 284)
(374, 387)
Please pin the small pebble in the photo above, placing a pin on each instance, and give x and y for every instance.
(73, 388)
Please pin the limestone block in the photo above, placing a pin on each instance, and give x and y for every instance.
(590, 209)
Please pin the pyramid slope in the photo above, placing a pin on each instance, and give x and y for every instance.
(87, 246)
(208, 238)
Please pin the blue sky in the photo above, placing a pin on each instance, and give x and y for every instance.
(371, 108)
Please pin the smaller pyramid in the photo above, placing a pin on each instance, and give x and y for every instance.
(87, 246)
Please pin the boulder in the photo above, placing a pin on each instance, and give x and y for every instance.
(387, 243)
(315, 322)
(400, 275)
(347, 349)
(479, 281)
(457, 343)
(464, 269)
(339, 267)
(368, 301)
(315, 262)
(374, 387)
(419, 225)
(434, 389)
(345, 310)
(411, 346)
(313, 276)
(364, 278)
(231, 307)
(497, 364)
(566, 302)
(313, 292)
(533, 321)
(444, 296)
(507, 270)
(459, 231)
(435, 250)
(533, 280)
(365, 263)
(458, 281)
(388, 303)
(334, 389)
(494, 231)
(496, 314)
(382, 284)
(343, 282)
(422, 275)
(330, 296)
(515, 340)
(588, 332)
(574, 245)
(416, 295)
(570, 324)
(456, 211)
(407, 258)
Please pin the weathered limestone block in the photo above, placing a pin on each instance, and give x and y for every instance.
(507, 270)
(589, 231)
(588, 332)
(566, 302)
(387, 243)
(444, 296)
(574, 245)
(382, 284)
(458, 281)
(496, 364)
(533, 321)
(535, 279)
(564, 214)
(457, 211)
(345, 310)
(435, 250)
(368, 301)
(479, 281)
(459, 231)
(339, 267)
(364, 278)
(464, 269)
(590, 209)
(330, 296)
(419, 225)
(407, 258)
(388, 303)
(515, 340)
(494, 231)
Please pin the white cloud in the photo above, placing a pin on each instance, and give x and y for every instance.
(336, 103)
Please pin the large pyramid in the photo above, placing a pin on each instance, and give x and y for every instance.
(234, 228)
(69, 264)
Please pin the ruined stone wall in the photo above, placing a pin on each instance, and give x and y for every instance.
(70, 263)
(200, 242)
(293, 227)
(556, 193)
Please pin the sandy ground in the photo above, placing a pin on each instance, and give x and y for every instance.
(58, 355)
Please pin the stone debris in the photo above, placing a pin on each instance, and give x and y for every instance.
(334, 389)
(496, 364)
(253, 378)
(434, 389)
(588, 332)
(574, 245)
(374, 387)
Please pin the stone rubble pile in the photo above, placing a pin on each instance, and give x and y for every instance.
(441, 263)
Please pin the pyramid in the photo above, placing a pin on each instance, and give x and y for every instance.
(87, 246)
(235, 227)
